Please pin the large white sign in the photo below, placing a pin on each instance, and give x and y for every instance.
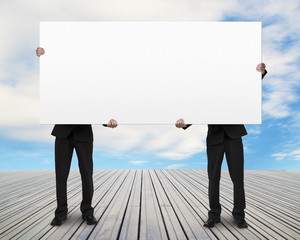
(150, 72)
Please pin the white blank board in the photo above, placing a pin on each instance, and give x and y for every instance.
(150, 72)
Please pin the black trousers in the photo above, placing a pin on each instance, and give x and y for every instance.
(233, 149)
(63, 155)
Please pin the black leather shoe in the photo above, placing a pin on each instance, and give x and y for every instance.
(241, 223)
(57, 221)
(90, 220)
(210, 223)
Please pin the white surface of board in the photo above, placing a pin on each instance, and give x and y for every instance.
(150, 72)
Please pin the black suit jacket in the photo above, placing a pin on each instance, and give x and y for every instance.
(215, 133)
(81, 133)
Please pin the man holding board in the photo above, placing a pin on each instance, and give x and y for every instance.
(68, 138)
(225, 139)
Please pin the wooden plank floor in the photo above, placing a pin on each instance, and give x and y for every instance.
(149, 204)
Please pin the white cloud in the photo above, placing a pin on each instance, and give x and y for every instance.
(254, 130)
(19, 106)
(47, 161)
(296, 119)
(280, 94)
(175, 166)
(161, 141)
(19, 96)
(279, 156)
(29, 133)
(137, 162)
(288, 154)
(281, 51)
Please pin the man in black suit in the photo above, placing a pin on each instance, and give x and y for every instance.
(68, 138)
(225, 139)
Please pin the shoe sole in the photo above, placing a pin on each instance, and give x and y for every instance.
(205, 225)
(83, 218)
(62, 221)
(239, 226)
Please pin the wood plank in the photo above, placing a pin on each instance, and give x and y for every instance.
(270, 207)
(191, 221)
(39, 222)
(39, 200)
(253, 215)
(200, 177)
(172, 223)
(130, 226)
(149, 204)
(198, 184)
(152, 224)
(110, 224)
(103, 185)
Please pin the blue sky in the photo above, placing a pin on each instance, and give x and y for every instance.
(24, 144)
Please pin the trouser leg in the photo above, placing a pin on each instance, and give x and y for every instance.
(215, 155)
(84, 152)
(63, 157)
(235, 160)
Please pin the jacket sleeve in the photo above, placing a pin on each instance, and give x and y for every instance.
(187, 126)
(263, 75)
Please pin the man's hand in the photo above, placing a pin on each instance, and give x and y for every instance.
(261, 68)
(40, 51)
(112, 123)
(180, 123)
